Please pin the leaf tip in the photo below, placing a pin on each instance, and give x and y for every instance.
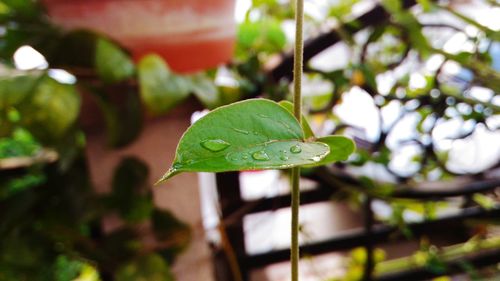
(170, 173)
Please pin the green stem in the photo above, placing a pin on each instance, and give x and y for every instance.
(294, 246)
(297, 109)
(298, 58)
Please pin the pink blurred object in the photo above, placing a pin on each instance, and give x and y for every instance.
(190, 35)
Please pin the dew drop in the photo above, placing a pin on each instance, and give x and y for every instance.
(175, 167)
(237, 157)
(232, 157)
(241, 131)
(316, 158)
(215, 145)
(284, 157)
(296, 149)
(260, 155)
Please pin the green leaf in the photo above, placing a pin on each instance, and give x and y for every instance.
(22, 8)
(175, 234)
(121, 245)
(151, 267)
(342, 8)
(392, 6)
(66, 268)
(368, 75)
(112, 63)
(484, 201)
(15, 86)
(130, 194)
(305, 125)
(161, 89)
(414, 30)
(51, 110)
(205, 90)
(166, 226)
(249, 135)
(123, 118)
(340, 149)
(426, 5)
(21, 143)
(230, 94)
(265, 36)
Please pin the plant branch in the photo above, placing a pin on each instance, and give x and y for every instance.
(453, 256)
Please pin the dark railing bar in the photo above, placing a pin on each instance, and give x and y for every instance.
(380, 234)
(323, 193)
(316, 195)
(327, 179)
(468, 189)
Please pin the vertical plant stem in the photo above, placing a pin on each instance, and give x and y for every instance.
(297, 109)
(294, 246)
(298, 60)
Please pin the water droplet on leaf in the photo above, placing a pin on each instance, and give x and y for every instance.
(232, 157)
(316, 158)
(260, 155)
(284, 157)
(296, 149)
(215, 145)
(237, 157)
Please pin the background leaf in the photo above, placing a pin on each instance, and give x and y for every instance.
(15, 86)
(160, 89)
(266, 36)
(52, 109)
(112, 63)
(205, 90)
(173, 234)
(123, 116)
(130, 193)
(151, 267)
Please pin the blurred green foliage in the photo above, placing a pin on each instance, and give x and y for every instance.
(20, 144)
(51, 219)
(53, 230)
